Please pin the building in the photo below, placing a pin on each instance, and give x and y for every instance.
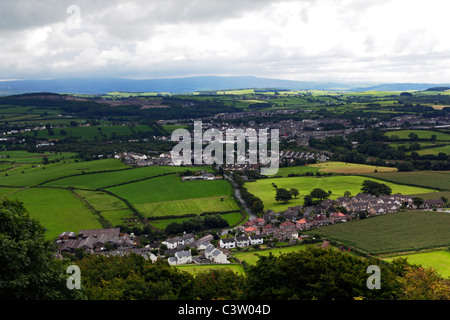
(227, 243)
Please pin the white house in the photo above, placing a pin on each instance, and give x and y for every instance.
(256, 239)
(227, 243)
(242, 242)
(181, 257)
(215, 255)
(171, 243)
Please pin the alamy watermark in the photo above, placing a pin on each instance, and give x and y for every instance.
(74, 280)
(234, 141)
(374, 281)
(74, 20)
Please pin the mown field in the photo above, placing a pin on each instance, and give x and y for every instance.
(438, 260)
(168, 195)
(392, 233)
(194, 269)
(427, 179)
(251, 257)
(350, 168)
(336, 184)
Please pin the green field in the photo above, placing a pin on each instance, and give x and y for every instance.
(232, 218)
(194, 269)
(58, 210)
(392, 233)
(422, 134)
(107, 179)
(29, 175)
(337, 184)
(18, 156)
(434, 151)
(187, 206)
(168, 195)
(438, 260)
(427, 179)
(251, 257)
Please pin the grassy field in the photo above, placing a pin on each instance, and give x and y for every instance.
(188, 206)
(434, 151)
(168, 195)
(438, 260)
(336, 184)
(29, 175)
(394, 232)
(251, 257)
(427, 179)
(106, 179)
(194, 269)
(350, 168)
(18, 156)
(422, 134)
(232, 218)
(58, 210)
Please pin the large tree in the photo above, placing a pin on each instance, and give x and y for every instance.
(375, 188)
(320, 194)
(28, 268)
(283, 195)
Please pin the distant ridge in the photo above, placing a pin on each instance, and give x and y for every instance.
(190, 84)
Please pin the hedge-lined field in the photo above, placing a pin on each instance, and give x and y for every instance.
(393, 232)
(439, 260)
(336, 184)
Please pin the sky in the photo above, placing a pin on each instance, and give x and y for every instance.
(306, 40)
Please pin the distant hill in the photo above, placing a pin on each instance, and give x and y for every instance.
(189, 84)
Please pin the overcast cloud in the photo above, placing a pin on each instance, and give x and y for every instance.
(325, 40)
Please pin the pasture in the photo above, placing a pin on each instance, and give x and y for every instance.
(233, 218)
(24, 157)
(33, 175)
(58, 210)
(438, 260)
(195, 269)
(422, 134)
(336, 184)
(392, 233)
(251, 257)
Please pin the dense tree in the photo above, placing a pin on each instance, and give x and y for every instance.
(283, 195)
(28, 269)
(320, 194)
(375, 188)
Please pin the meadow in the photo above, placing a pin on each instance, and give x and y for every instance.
(438, 260)
(168, 195)
(24, 157)
(58, 210)
(392, 233)
(233, 218)
(29, 175)
(195, 269)
(336, 184)
(251, 257)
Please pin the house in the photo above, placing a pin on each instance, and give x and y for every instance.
(215, 255)
(242, 241)
(287, 226)
(258, 221)
(269, 216)
(229, 243)
(303, 224)
(377, 210)
(256, 239)
(434, 203)
(171, 243)
(338, 217)
(252, 229)
(321, 220)
(183, 256)
(269, 229)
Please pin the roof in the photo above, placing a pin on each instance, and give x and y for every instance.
(180, 254)
(97, 232)
(229, 240)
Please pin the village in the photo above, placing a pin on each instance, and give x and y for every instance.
(269, 229)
